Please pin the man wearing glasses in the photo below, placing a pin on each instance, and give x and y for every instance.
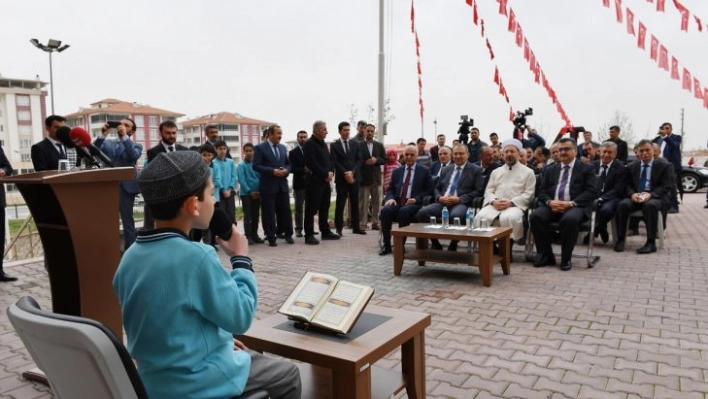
(670, 145)
(565, 196)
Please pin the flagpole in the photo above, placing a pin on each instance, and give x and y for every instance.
(382, 61)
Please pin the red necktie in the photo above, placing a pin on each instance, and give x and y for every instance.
(406, 183)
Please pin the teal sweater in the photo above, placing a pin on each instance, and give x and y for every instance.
(248, 178)
(180, 309)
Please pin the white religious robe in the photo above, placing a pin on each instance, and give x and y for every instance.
(517, 184)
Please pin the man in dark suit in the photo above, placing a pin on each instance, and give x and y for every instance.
(486, 162)
(319, 191)
(47, 153)
(124, 152)
(622, 149)
(612, 183)
(459, 184)
(434, 150)
(168, 132)
(566, 194)
(270, 159)
(648, 183)
(5, 170)
(212, 136)
(346, 157)
(444, 159)
(670, 145)
(374, 156)
(301, 175)
(587, 136)
(404, 198)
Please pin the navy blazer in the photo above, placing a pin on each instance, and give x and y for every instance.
(45, 156)
(154, 151)
(435, 168)
(346, 161)
(422, 185)
(265, 163)
(123, 153)
(615, 182)
(583, 184)
(470, 185)
(672, 152)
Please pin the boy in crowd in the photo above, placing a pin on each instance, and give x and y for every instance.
(250, 196)
(180, 307)
(227, 179)
(208, 153)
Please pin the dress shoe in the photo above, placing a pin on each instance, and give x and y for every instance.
(339, 232)
(376, 226)
(565, 266)
(673, 210)
(281, 236)
(258, 240)
(6, 278)
(453, 246)
(648, 248)
(435, 244)
(619, 245)
(542, 260)
(330, 236)
(289, 240)
(604, 236)
(631, 233)
(704, 207)
(251, 242)
(272, 243)
(310, 240)
(359, 231)
(385, 251)
(298, 234)
(316, 233)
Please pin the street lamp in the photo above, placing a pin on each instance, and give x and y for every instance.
(51, 46)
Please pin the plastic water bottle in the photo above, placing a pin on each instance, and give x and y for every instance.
(445, 218)
(469, 217)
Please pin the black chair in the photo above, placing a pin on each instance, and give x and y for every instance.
(587, 226)
(81, 357)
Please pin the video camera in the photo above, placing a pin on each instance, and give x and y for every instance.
(464, 130)
(520, 123)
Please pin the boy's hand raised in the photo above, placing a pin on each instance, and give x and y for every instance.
(237, 245)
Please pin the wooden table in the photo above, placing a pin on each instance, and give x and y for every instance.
(344, 370)
(484, 258)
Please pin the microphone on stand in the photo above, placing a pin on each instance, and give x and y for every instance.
(81, 138)
(64, 136)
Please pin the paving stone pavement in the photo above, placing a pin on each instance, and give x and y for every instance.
(632, 327)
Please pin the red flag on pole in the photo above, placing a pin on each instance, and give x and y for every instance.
(511, 114)
(697, 89)
(606, 3)
(660, 5)
(512, 21)
(653, 53)
(475, 14)
(491, 53)
(686, 83)
(502, 6)
(642, 36)
(420, 71)
(630, 22)
(699, 23)
(674, 69)
(496, 75)
(663, 58)
(469, 2)
(519, 36)
(481, 31)
(684, 15)
(618, 10)
(526, 49)
(532, 60)
(537, 73)
(412, 18)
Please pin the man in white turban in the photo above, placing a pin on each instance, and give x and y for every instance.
(509, 192)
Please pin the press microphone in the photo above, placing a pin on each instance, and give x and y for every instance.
(220, 224)
(81, 138)
(64, 136)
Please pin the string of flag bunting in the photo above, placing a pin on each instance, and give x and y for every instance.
(657, 51)
(661, 7)
(417, 54)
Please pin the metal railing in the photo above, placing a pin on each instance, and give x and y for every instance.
(25, 244)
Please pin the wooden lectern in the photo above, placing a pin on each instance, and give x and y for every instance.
(76, 214)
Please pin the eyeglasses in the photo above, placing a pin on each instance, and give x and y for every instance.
(565, 149)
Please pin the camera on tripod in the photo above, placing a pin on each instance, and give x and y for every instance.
(464, 130)
(520, 123)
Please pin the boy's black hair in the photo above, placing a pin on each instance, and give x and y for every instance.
(221, 143)
(206, 147)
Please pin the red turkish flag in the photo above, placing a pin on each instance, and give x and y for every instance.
(532, 60)
(663, 58)
(606, 3)
(705, 98)
(642, 36)
(526, 49)
(684, 15)
(630, 22)
(420, 71)
(481, 31)
(519, 36)
(660, 5)
(420, 82)
(501, 87)
(699, 23)
(475, 14)
(496, 75)
(618, 10)
(412, 17)
(511, 114)
(674, 69)
(502, 6)
(686, 83)
(537, 73)
(469, 2)
(654, 48)
(491, 53)
(512, 21)
(697, 89)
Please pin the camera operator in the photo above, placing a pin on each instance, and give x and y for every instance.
(590, 153)
(533, 140)
(474, 145)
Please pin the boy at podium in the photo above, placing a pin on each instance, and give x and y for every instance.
(180, 307)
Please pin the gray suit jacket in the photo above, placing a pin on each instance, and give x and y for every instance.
(470, 185)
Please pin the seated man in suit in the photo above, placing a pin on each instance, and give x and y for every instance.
(566, 194)
(444, 157)
(487, 163)
(612, 182)
(648, 183)
(509, 191)
(404, 197)
(458, 186)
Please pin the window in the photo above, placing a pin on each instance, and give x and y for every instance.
(25, 143)
(139, 120)
(98, 118)
(153, 134)
(154, 121)
(26, 158)
(24, 116)
(23, 101)
(24, 129)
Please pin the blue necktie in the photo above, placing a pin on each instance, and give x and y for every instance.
(643, 178)
(275, 151)
(563, 183)
(455, 180)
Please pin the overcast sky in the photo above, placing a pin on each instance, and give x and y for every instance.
(293, 62)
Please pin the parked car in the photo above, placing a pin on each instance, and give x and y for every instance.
(693, 178)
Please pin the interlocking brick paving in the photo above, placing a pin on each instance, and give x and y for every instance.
(632, 327)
